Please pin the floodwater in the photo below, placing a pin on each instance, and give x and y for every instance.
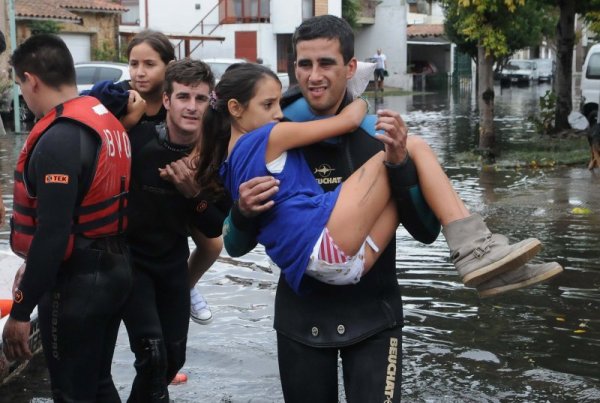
(536, 345)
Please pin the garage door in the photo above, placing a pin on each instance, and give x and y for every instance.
(79, 45)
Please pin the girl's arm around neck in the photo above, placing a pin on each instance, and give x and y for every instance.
(288, 135)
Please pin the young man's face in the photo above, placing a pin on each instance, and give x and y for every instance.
(322, 74)
(185, 108)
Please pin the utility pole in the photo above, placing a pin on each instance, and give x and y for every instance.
(13, 46)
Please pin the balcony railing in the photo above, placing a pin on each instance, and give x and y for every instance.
(244, 11)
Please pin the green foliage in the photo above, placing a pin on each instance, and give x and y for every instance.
(593, 20)
(44, 27)
(500, 26)
(350, 11)
(544, 123)
(105, 52)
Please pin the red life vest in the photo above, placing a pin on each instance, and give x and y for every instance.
(102, 211)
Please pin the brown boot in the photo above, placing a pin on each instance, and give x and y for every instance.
(524, 276)
(479, 255)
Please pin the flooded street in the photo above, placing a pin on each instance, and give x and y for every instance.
(536, 345)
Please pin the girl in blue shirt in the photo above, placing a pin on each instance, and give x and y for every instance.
(332, 236)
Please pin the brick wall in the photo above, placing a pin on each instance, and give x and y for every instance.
(103, 29)
(321, 7)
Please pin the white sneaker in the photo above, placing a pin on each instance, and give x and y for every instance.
(199, 309)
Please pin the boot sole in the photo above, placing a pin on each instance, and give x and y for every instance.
(513, 260)
(510, 287)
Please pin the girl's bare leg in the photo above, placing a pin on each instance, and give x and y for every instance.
(362, 200)
(381, 234)
(204, 255)
(435, 185)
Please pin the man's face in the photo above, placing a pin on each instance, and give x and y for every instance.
(322, 74)
(185, 108)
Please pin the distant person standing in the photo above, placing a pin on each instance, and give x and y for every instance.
(380, 67)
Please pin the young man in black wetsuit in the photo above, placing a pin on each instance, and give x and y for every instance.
(157, 314)
(71, 184)
(361, 323)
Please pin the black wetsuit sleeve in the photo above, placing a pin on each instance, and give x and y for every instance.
(58, 152)
(239, 233)
(208, 216)
(414, 212)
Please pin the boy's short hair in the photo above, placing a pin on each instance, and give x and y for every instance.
(47, 57)
(327, 27)
(188, 72)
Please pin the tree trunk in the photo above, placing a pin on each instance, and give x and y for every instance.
(565, 38)
(485, 96)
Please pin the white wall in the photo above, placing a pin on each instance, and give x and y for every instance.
(389, 34)
(181, 16)
(334, 7)
(286, 15)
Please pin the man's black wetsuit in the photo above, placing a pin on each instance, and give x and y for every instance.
(362, 322)
(80, 299)
(157, 315)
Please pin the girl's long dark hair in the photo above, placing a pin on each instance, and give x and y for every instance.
(239, 83)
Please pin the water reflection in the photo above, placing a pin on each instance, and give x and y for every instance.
(538, 345)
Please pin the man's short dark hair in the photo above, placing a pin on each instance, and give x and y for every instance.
(47, 57)
(188, 72)
(327, 27)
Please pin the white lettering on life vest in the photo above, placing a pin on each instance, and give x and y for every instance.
(117, 142)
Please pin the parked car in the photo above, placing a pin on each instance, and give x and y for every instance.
(89, 73)
(86, 75)
(219, 65)
(519, 71)
(545, 69)
(590, 84)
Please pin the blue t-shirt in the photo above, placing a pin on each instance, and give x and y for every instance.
(290, 229)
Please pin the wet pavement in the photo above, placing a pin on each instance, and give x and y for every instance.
(536, 345)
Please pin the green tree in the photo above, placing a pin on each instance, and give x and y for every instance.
(490, 31)
(44, 27)
(565, 42)
(350, 10)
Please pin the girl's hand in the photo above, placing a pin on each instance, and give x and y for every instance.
(136, 107)
(355, 112)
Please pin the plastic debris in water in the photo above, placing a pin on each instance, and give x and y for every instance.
(581, 210)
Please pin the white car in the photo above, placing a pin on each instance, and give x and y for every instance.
(89, 73)
(545, 69)
(520, 71)
(590, 84)
(219, 65)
